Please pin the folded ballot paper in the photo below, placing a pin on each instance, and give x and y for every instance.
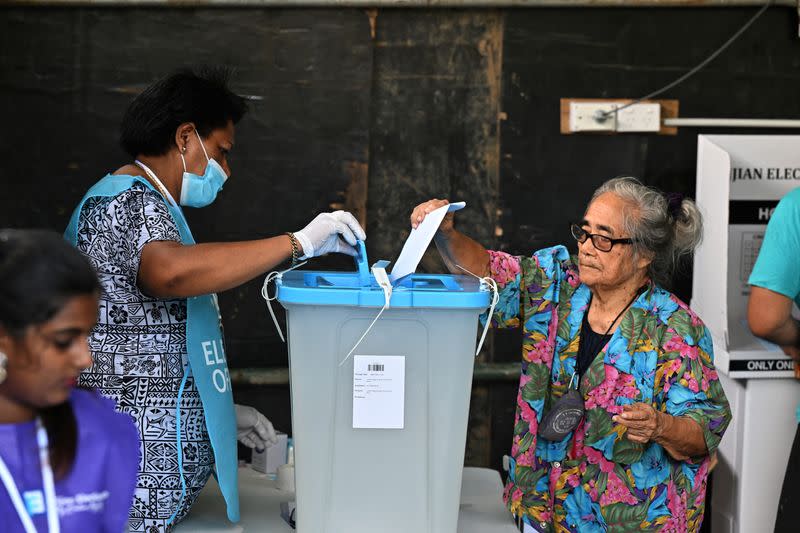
(419, 240)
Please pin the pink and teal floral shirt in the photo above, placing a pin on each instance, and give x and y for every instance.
(596, 479)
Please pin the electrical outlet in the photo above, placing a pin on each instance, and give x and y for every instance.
(600, 116)
(639, 117)
(583, 116)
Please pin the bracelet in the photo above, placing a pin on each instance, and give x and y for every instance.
(295, 248)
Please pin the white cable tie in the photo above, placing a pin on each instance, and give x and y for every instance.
(275, 274)
(386, 286)
(492, 284)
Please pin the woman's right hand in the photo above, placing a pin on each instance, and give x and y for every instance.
(458, 251)
(423, 209)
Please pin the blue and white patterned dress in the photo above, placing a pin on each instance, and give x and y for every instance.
(139, 353)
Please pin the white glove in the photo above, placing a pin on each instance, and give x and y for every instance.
(322, 235)
(253, 429)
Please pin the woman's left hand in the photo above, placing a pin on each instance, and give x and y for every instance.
(643, 423)
(253, 429)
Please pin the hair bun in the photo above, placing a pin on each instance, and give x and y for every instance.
(674, 203)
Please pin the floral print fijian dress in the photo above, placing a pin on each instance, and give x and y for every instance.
(596, 479)
(139, 355)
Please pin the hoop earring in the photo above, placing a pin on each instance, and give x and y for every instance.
(3, 363)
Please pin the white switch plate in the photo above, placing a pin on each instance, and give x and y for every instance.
(643, 117)
(640, 117)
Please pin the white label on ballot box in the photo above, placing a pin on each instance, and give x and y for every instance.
(379, 391)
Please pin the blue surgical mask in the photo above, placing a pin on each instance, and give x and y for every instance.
(200, 191)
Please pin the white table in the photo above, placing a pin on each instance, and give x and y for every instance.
(482, 509)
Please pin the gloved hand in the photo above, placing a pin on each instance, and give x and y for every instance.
(253, 429)
(324, 235)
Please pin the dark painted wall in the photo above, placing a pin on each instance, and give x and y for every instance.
(433, 103)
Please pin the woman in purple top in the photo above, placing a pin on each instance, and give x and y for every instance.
(68, 460)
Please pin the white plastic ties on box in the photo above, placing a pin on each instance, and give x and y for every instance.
(265, 294)
(490, 284)
(379, 271)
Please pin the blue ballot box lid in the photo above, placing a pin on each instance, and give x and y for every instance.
(360, 288)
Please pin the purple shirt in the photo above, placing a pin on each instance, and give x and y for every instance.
(97, 493)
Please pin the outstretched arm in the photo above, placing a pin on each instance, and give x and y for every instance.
(455, 247)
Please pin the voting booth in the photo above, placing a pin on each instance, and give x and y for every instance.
(740, 179)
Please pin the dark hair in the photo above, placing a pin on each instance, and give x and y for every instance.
(39, 273)
(202, 97)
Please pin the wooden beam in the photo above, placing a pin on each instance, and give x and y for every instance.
(278, 376)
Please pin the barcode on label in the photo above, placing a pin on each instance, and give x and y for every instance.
(375, 368)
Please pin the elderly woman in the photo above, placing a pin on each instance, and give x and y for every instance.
(619, 406)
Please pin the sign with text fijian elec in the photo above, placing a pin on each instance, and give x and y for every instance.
(755, 190)
(754, 194)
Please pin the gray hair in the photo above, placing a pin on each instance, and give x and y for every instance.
(658, 230)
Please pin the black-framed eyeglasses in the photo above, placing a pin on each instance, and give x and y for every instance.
(600, 242)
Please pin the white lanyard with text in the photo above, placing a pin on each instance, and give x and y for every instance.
(160, 186)
(47, 480)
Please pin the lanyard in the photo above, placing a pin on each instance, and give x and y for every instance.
(47, 480)
(605, 337)
(152, 175)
